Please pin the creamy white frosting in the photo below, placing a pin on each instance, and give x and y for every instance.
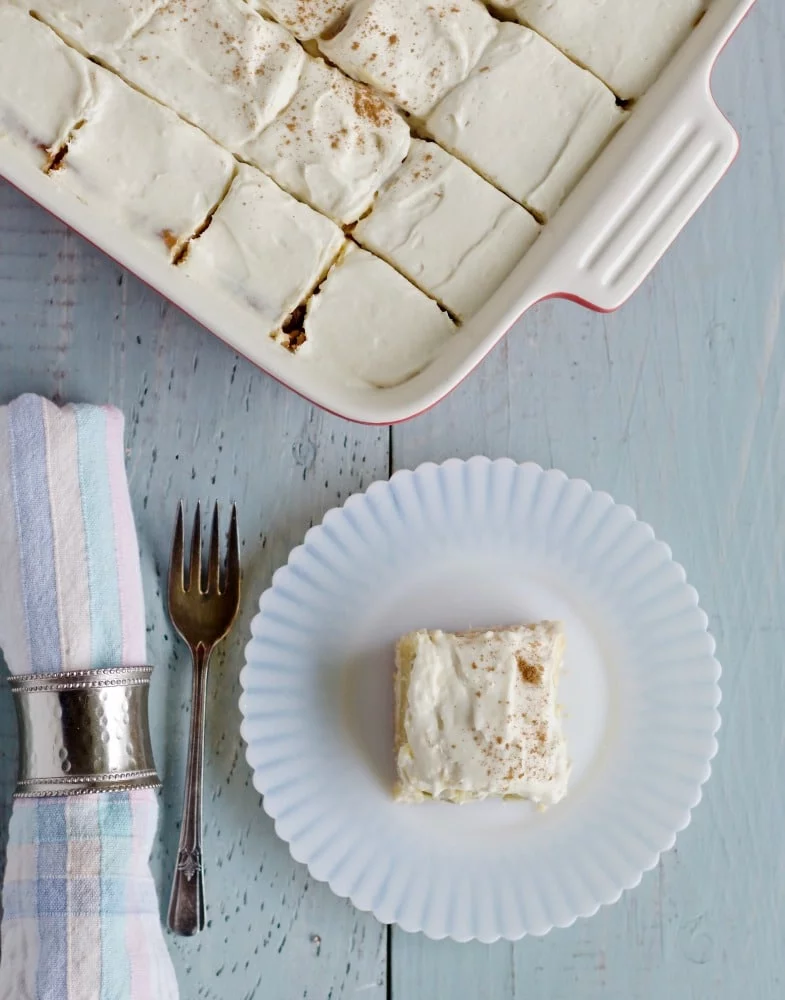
(625, 42)
(305, 18)
(217, 63)
(334, 146)
(141, 165)
(527, 118)
(447, 229)
(96, 26)
(480, 717)
(263, 249)
(412, 51)
(45, 86)
(369, 322)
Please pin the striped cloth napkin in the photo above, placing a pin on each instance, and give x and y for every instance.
(80, 914)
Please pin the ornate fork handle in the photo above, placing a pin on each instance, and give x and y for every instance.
(186, 905)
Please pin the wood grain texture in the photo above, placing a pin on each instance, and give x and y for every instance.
(201, 423)
(676, 406)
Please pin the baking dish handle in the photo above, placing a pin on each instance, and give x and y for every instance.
(665, 172)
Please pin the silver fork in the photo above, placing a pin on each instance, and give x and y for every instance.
(203, 608)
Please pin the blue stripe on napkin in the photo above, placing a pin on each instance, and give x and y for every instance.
(52, 901)
(34, 530)
(114, 821)
(96, 495)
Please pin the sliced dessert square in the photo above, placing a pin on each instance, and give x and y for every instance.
(476, 715)
(45, 87)
(335, 144)
(413, 52)
(307, 19)
(96, 26)
(447, 229)
(368, 322)
(263, 250)
(217, 63)
(626, 43)
(140, 164)
(527, 118)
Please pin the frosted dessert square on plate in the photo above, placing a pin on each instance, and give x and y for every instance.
(263, 249)
(139, 164)
(625, 42)
(334, 145)
(413, 52)
(476, 715)
(45, 86)
(527, 118)
(218, 63)
(447, 229)
(370, 322)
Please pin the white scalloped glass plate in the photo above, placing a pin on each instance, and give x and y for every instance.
(461, 545)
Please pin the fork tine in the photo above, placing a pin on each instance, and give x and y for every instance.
(195, 566)
(214, 561)
(176, 568)
(232, 584)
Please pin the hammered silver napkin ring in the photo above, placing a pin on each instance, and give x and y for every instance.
(83, 731)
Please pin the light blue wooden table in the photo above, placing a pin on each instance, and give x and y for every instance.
(675, 405)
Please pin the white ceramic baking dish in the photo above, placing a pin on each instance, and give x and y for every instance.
(598, 249)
